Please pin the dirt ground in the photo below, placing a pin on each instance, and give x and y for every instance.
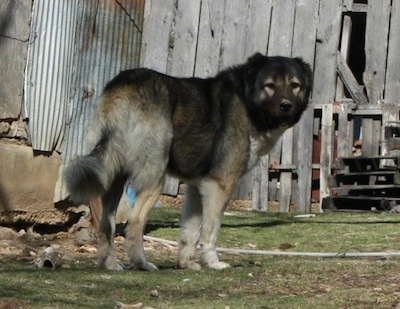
(79, 242)
(78, 245)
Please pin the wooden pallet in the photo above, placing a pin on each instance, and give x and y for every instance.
(364, 184)
(392, 137)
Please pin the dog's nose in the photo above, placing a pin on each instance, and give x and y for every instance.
(285, 105)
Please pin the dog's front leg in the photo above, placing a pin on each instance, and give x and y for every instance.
(191, 223)
(215, 198)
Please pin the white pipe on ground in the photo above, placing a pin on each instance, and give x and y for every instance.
(289, 253)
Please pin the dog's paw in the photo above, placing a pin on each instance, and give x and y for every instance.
(147, 266)
(189, 265)
(112, 265)
(218, 265)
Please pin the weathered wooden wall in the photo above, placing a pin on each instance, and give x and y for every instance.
(368, 107)
(201, 37)
(14, 35)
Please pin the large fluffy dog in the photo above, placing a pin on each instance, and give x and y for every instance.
(207, 132)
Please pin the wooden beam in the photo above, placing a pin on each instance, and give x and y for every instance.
(376, 43)
(326, 155)
(350, 81)
(392, 84)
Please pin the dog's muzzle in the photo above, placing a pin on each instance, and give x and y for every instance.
(285, 106)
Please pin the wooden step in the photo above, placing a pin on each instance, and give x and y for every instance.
(373, 163)
(359, 203)
(371, 190)
(382, 176)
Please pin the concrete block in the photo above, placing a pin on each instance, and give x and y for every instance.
(27, 180)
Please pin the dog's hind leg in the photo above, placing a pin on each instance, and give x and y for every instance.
(110, 201)
(190, 229)
(148, 164)
(96, 209)
(145, 201)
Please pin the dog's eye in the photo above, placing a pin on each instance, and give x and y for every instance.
(294, 85)
(270, 86)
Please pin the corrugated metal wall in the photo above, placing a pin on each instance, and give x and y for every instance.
(108, 40)
(78, 47)
(49, 71)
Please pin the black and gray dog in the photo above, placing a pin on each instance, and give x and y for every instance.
(207, 132)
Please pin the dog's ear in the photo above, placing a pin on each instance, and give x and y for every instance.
(252, 67)
(305, 67)
(257, 58)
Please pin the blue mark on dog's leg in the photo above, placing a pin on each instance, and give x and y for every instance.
(132, 197)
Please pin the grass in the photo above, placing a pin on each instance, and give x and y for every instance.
(252, 282)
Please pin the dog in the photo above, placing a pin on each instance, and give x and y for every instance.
(207, 132)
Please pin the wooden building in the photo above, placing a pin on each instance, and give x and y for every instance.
(352, 46)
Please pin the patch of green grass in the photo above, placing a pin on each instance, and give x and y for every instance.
(330, 232)
(252, 282)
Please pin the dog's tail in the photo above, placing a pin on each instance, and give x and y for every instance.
(89, 176)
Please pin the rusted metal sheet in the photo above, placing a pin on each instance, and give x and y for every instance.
(107, 40)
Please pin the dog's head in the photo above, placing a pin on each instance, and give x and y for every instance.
(277, 90)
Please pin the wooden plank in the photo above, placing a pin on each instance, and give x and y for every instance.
(344, 51)
(359, 8)
(157, 25)
(244, 187)
(347, 77)
(260, 187)
(345, 137)
(210, 36)
(182, 55)
(390, 113)
(257, 28)
(305, 29)
(280, 43)
(328, 34)
(184, 38)
(326, 154)
(234, 30)
(254, 185)
(348, 5)
(304, 160)
(367, 137)
(259, 24)
(377, 30)
(376, 136)
(285, 181)
(370, 136)
(232, 53)
(392, 87)
(281, 31)
(15, 19)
